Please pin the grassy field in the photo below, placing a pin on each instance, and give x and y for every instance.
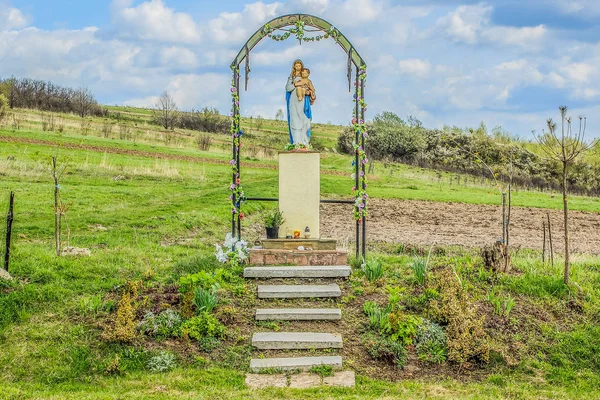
(152, 210)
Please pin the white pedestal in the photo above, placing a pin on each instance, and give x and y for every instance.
(300, 192)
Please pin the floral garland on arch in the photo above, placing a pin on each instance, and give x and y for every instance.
(360, 192)
(237, 193)
(299, 31)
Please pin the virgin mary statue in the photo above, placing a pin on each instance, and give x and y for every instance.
(299, 107)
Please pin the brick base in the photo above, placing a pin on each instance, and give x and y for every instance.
(296, 257)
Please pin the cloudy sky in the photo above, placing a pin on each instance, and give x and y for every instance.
(503, 62)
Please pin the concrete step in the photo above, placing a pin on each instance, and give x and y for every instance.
(296, 340)
(297, 291)
(333, 271)
(294, 363)
(298, 314)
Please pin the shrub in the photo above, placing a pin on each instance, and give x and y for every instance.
(383, 348)
(466, 339)
(430, 342)
(373, 269)
(162, 362)
(205, 300)
(163, 325)
(402, 327)
(202, 325)
(204, 279)
(125, 322)
(208, 343)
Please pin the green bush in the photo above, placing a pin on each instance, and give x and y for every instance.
(161, 326)
(205, 280)
(383, 348)
(402, 327)
(203, 325)
(430, 342)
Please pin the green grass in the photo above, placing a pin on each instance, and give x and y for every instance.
(158, 219)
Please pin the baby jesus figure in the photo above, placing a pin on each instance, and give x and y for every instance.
(304, 86)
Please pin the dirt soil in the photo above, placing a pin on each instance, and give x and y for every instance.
(469, 225)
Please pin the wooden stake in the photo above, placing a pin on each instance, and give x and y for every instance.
(544, 245)
(550, 236)
(55, 175)
(9, 221)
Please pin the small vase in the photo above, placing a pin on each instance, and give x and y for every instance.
(273, 233)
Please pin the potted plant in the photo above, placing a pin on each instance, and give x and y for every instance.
(273, 220)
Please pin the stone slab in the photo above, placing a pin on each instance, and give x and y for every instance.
(305, 271)
(262, 381)
(292, 244)
(298, 291)
(304, 381)
(298, 314)
(298, 257)
(300, 192)
(294, 363)
(341, 379)
(296, 340)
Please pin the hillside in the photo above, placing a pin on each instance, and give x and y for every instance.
(150, 206)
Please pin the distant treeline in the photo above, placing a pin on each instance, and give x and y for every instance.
(205, 120)
(46, 96)
(468, 151)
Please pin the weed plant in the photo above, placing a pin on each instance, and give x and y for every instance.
(206, 300)
(162, 362)
(373, 269)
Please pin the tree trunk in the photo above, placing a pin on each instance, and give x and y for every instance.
(56, 207)
(566, 222)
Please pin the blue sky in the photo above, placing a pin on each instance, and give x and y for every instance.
(507, 63)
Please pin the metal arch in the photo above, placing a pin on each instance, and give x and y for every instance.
(309, 20)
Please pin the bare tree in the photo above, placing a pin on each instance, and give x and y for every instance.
(505, 189)
(565, 147)
(60, 208)
(279, 116)
(83, 101)
(4, 106)
(165, 111)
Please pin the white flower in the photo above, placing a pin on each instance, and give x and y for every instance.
(221, 256)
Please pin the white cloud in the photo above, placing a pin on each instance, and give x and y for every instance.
(472, 25)
(415, 66)
(318, 6)
(578, 72)
(528, 37)
(465, 23)
(285, 57)
(237, 27)
(153, 20)
(178, 56)
(12, 18)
